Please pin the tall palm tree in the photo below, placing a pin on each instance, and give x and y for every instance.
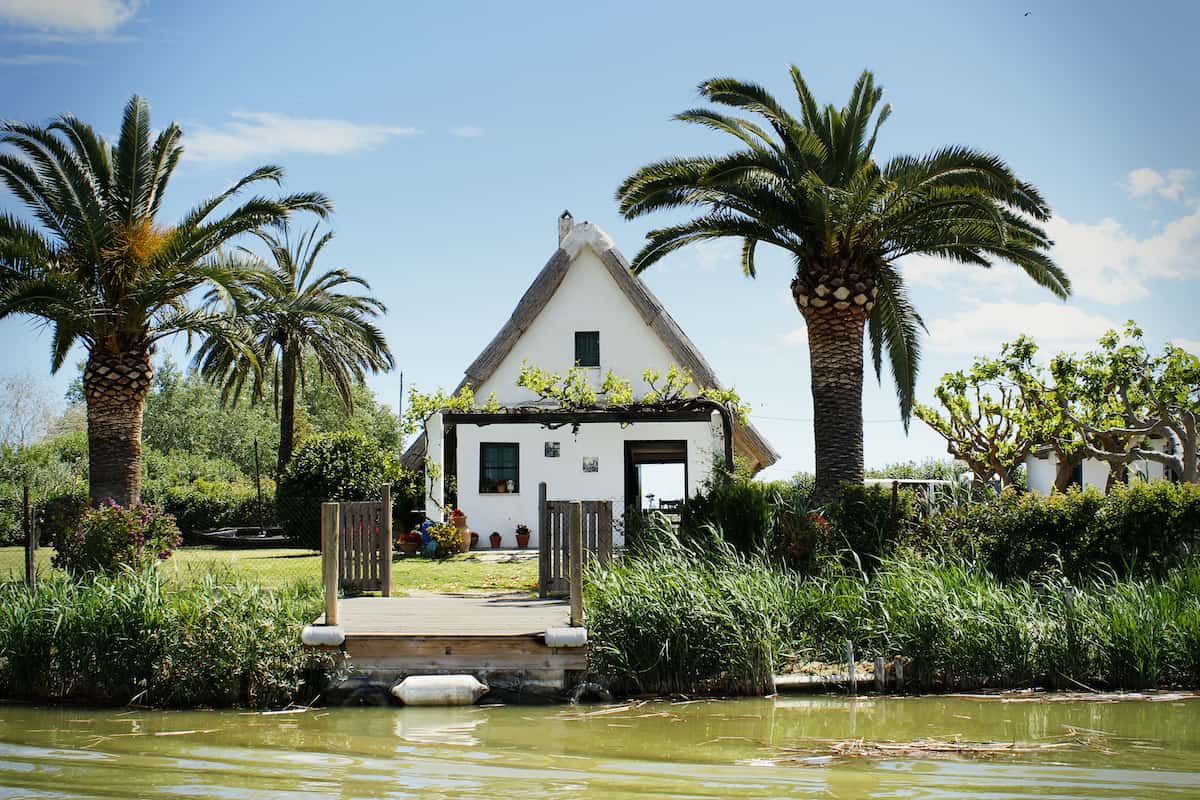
(99, 269)
(811, 186)
(291, 314)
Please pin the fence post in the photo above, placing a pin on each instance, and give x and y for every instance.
(879, 673)
(329, 560)
(30, 541)
(385, 573)
(543, 543)
(898, 667)
(575, 557)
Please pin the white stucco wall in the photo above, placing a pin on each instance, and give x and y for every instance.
(1041, 471)
(587, 300)
(564, 475)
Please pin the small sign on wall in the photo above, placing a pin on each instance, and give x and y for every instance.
(553, 449)
(591, 464)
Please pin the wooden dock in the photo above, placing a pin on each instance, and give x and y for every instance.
(497, 638)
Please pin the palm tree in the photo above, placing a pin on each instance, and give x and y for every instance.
(812, 187)
(292, 314)
(99, 269)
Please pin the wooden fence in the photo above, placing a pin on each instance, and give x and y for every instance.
(554, 541)
(356, 547)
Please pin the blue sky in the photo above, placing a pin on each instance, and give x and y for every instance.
(450, 135)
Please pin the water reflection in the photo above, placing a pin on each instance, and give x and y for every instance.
(699, 749)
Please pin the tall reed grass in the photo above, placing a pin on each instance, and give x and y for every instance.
(132, 637)
(701, 618)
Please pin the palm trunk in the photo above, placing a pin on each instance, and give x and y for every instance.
(114, 388)
(287, 410)
(836, 297)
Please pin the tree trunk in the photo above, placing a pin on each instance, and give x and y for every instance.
(287, 410)
(114, 388)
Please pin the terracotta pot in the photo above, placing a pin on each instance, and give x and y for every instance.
(459, 522)
(495, 539)
(410, 548)
(522, 540)
(474, 539)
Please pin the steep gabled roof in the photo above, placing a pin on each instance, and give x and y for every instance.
(748, 442)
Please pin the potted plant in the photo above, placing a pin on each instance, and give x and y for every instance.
(522, 536)
(474, 539)
(459, 518)
(495, 540)
(410, 542)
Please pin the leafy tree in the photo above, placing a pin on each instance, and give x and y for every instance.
(100, 269)
(291, 313)
(811, 186)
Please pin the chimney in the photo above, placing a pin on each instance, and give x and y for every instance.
(565, 223)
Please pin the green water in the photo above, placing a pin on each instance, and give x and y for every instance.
(709, 749)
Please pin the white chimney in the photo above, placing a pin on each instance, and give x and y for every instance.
(565, 223)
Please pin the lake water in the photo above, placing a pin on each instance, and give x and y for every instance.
(1080, 749)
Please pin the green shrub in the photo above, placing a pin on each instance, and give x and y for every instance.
(736, 506)
(865, 525)
(130, 637)
(327, 468)
(111, 537)
(1140, 529)
(205, 505)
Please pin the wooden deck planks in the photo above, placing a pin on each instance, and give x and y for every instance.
(436, 615)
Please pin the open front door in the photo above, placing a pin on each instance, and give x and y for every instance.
(640, 453)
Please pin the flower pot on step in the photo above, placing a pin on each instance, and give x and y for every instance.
(495, 540)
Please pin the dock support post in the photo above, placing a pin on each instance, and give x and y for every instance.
(329, 560)
(898, 664)
(850, 676)
(575, 556)
(879, 676)
(385, 571)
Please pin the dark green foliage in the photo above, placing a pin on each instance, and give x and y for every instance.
(944, 469)
(866, 524)
(329, 467)
(1140, 529)
(738, 507)
(677, 618)
(110, 537)
(129, 637)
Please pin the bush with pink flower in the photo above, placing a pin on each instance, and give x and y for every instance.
(112, 536)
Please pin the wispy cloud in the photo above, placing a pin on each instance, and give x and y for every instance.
(36, 60)
(982, 327)
(1191, 345)
(65, 17)
(467, 132)
(262, 134)
(1146, 182)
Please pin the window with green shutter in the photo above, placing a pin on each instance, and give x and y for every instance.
(499, 468)
(587, 348)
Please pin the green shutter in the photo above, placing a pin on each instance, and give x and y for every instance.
(587, 348)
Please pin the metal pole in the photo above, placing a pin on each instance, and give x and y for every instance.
(30, 542)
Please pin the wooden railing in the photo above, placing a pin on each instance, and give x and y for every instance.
(558, 561)
(356, 549)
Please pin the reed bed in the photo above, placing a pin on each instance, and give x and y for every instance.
(136, 638)
(704, 619)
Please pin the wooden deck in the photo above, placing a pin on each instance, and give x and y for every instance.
(497, 638)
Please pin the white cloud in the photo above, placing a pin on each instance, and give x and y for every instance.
(936, 273)
(795, 338)
(983, 327)
(36, 60)
(467, 132)
(262, 134)
(1191, 345)
(70, 16)
(1145, 181)
(1108, 263)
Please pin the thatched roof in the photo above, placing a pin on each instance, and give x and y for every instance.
(748, 443)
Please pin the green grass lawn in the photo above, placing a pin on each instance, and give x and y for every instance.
(277, 567)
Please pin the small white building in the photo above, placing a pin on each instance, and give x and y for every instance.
(585, 307)
(1041, 469)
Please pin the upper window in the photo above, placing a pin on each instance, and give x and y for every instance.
(587, 348)
(499, 468)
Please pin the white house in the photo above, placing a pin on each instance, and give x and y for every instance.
(585, 307)
(1041, 468)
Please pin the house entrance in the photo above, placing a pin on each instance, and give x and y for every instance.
(657, 468)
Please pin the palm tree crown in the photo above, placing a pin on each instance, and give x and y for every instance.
(100, 269)
(811, 186)
(291, 313)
